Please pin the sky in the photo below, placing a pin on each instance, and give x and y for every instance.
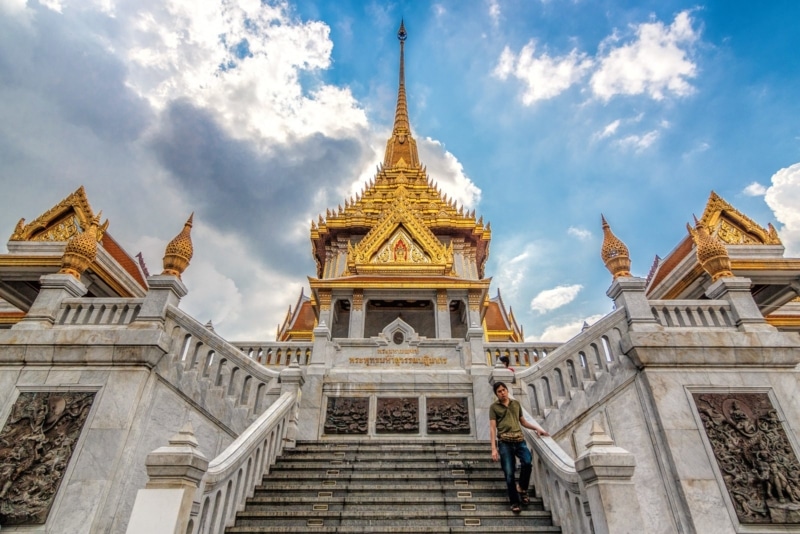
(538, 114)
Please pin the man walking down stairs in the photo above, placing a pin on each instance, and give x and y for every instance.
(387, 486)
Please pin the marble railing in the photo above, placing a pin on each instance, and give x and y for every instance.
(576, 364)
(692, 313)
(558, 484)
(276, 353)
(98, 311)
(519, 354)
(233, 475)
(233, 388)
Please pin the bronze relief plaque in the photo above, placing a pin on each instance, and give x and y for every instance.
(448, 415)
(757, 463)
(36, 445)
(397, 415)
(347, 415)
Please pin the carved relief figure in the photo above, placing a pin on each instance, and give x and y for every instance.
(758, 465)
(448, 415)
(347, 415)
(397, 415)
(36, 444)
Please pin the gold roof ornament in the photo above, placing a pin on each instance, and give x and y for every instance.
(401, 149)
(733, 227)
(614, 252)
(63, 221)
(81, 250)
(711, 251)
(179, 251)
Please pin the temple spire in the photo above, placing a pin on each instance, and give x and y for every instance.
(401, 149)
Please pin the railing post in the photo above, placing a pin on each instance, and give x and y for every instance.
(163, 290)
(628, 293)
(292, 381)
(736, 290)
(54, 289)
(606, 471)
(164, 505)
(322, 336)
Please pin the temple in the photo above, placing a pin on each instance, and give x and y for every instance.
(119, 412)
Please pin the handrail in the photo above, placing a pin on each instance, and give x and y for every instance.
(692, 313)
(233, 475)
(276, 353)
(554, 475)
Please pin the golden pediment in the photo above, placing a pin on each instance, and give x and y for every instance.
(733, 227)
(67, 218)
(400, 243)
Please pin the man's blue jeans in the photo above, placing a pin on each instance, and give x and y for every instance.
(509, 452)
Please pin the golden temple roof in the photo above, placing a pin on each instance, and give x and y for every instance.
(402, 193)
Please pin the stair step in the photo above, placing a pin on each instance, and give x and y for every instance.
(384, 486)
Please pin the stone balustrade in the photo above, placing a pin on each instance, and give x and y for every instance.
(558, 484)
(98, 311)
(233, 475)
(575, 365)
(228, 384)
(277, 353)
(692, 313)
(519, 354)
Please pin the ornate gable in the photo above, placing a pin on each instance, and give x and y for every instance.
(67, 218)
(733, 227)
(400, 244)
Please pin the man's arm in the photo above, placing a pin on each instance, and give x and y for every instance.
(533, 426)
(493, 438)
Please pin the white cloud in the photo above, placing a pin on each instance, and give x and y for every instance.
(755, 189)
(494, 11)
(638, 143)
(564, 332)
(783, 197)
(550, 299)
(609, 130)
(656, 63)
(581, 233)
(544, 77)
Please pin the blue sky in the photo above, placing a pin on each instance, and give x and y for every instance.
(540, 115)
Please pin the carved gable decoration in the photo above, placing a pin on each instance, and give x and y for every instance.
(733, 227)
(400, 244)
(400, 248)
(67, 218)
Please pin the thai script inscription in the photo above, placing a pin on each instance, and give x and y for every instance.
(398, 361)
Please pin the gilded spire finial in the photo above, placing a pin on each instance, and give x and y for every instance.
(711, 252)
(179, 251)
(614, 252)
(401, 147)
(81, 250)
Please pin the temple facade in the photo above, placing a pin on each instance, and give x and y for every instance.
(676, 412)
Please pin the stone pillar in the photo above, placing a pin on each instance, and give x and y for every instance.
(628, 293)
(357, 315)
(442, 315)
(55, 288)
(475, 341)
(322, 337)
(292, 380)
(164, 505)
(736, 290)
(164, 290)
(607, 471)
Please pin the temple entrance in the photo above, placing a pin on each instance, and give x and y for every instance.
(419, 314)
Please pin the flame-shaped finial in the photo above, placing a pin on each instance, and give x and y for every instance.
(614, 252)
(401, 149)
(179, 251)
(711, 252)
(81, 250)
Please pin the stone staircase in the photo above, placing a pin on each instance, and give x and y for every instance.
(387, 486)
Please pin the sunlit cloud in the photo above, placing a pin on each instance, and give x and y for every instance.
(783, 197)
(755, 189)
(581, 233)
(558, 333)
(551, 299)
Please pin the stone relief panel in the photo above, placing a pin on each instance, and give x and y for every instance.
(397, 415)
(347, 415)
(448, 415)
(759, 467)
(36, 445)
